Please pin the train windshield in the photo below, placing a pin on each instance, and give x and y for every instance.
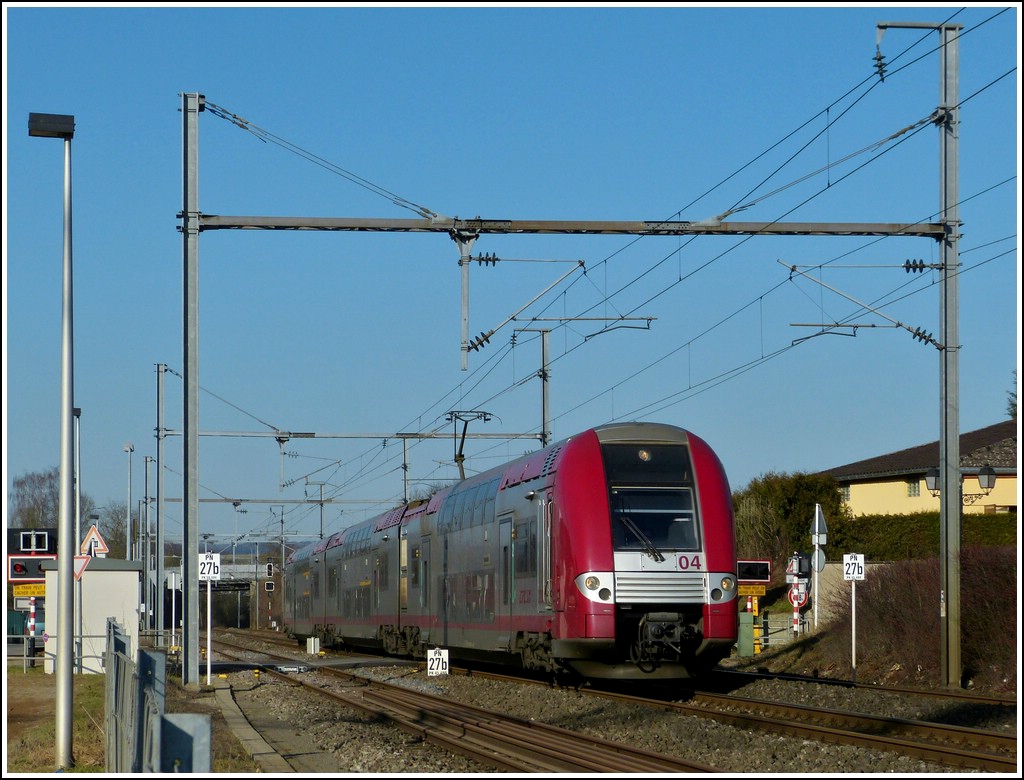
(651, 519)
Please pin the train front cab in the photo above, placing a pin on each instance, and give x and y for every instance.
(644, 572)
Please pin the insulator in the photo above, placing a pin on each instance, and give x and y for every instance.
(915, 266)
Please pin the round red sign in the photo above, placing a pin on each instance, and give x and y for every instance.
(798, 598)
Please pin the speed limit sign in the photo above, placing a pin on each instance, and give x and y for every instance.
(853, 566)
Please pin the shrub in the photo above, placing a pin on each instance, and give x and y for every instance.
(898, 621)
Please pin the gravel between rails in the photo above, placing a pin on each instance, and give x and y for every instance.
(350, 742)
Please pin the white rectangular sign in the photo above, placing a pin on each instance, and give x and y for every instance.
(209, 566)
(853, 566)
(437, 662)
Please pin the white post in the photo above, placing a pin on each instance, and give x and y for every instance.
(209, 627)
(819, 537)
(853, 627)
(814, 573)
(174, 601)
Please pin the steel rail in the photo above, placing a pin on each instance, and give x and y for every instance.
(492, 738)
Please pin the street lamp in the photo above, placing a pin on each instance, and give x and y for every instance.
(986, 480)
(63, 126)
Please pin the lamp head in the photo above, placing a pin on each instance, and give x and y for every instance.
(987, 478)
(51, 126)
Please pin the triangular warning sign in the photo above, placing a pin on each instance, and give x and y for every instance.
(93, 543)
(81, 561)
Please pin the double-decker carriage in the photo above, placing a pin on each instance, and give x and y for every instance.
(611, 553)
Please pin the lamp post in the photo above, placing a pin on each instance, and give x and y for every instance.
(78, 538)
(147, 567)
(129, 448)
(951, 508)
(63, 126)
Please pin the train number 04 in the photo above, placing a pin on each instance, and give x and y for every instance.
(686, 563)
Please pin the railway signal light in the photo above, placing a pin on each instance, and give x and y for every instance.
(27, 568)
(270, 569)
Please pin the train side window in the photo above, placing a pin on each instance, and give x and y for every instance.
(506, 578)
(479, 503)
(447, 512)
(460, 509)
(425, 578)
(526, 548)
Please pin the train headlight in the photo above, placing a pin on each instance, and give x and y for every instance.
(598, 587)
(725, 590)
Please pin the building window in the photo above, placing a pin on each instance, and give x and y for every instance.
(844, 493)
(913, 488)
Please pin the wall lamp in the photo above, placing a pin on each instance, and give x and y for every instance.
(986, 479)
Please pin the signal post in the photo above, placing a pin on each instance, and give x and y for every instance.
(752, 578)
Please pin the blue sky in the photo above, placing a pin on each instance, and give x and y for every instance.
(548, 113)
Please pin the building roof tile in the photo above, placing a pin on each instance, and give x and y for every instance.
(995, 446)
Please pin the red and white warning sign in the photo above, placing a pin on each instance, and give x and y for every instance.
(798, 597)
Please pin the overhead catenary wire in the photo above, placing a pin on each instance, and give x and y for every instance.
(267, 136)
(491, 366)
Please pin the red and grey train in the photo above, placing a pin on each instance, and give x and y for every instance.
(610, 554)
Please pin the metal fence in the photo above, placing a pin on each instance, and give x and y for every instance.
(778, 629)
(141, 737)
(28, 651)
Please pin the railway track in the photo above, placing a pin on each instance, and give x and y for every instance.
(952, 746)
(497, 740)
(953, 696)
(955, 746)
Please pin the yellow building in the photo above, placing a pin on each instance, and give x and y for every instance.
(895, 484)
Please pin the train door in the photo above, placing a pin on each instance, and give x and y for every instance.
(403, 568)
(423, 605)
(506, 575)
(445, 592)
(544, 553)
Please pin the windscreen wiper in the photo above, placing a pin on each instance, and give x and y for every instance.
(649, 547)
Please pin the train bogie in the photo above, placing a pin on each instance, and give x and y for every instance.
(611, 554)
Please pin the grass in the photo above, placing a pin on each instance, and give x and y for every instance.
(32, 749)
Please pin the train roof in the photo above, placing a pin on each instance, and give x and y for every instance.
(524, 468)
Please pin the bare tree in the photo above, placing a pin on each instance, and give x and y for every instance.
(111, 525)
(34, 501)
(1011, 399)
